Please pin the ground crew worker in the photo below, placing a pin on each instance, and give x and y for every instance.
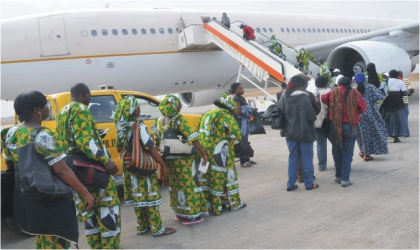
(225, 21)
(76, 127)
(304, 57)
(275, 46)
(325, 69)
(337, 77)
(248, 32)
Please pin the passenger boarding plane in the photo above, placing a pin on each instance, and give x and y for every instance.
(140, 49)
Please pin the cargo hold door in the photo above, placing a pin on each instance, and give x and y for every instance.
(52, 37)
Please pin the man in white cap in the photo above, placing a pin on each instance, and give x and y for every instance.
(336, 77)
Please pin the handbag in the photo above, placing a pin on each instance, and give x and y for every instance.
(38, 181)
(278, 119)
(174, 143)
(135, 158)
(256, 127)
(243, 149)
(90, 173)
(7, 187)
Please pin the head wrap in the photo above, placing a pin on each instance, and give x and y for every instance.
(228, 101)
(125, 108)
(359, 77)
(169, 105)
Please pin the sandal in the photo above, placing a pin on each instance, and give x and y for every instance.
(246, 165)
(142, 232)
(368, 158)
(313, 186)
(294, 187)
(193, 221)
(167, 231)
(253, 162)
(361, 154)
(177, 218)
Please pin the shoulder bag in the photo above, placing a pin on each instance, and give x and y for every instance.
(135, 158)
(174, 143)
(278, 119)
(38, 181)
(90, 173)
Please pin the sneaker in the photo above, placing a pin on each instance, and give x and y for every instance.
(338, 180)
(346, 183)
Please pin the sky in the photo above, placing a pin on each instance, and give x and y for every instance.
(381, 9)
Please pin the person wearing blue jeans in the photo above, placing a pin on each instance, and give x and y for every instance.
(299, 132)
(321, 148)
(346, 104)
(343, 156)
(321, 83)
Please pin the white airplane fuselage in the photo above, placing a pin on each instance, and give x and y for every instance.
(51, 52)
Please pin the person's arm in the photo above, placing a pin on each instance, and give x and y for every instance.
(361, 107)
(64, 173)
(310, 112)
(238, 108)
(315, 106)
(325, 98)
(155, 154)
(200, 149)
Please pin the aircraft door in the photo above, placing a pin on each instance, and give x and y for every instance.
(52, 37)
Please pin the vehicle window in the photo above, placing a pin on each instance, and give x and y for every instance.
(319, 31)
(323, 30)
(161, 31)
(304, 30)
(103, 108)
(345, 30)
(354, 31)
(309, 30)
(170, 31)
(313, 29)
(51, 116)
(152, 31)
(368, 30)
(332, 30)
(341, 30)
(298, 30)
(336, 30)
(104, 32)
(143, 31)
(265, 30)
(134, 31)
(258, 29)
(84, 33)
(270, 29)
(149, 109)
(115, 32)
(365, 30)
(328, 30)
(93, 32)
(282, 30)
(293, 29)
(124, 31)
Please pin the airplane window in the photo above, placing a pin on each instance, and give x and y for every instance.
(319, 31)
(323, 30)
(328, 30)
(336, 30)
(102, 108)
(170, 31)
(258, 29)
(298, 30)
(304, 30)
(309, 30)
(332, 30)
(161, 31)
(265, 30)
(134, 31)
(341, 30)
(115, 32)
(143, 31)
(84, 34)
(270, 29)
(358, 31)
(313, 29)
(368, 30)
(349, 30)
(104, 32)
(152, 31)
(293, 29)
(345, 30)
(124, 31)
(354, 31)
(93, 32)
(287, 30)
(282, 30)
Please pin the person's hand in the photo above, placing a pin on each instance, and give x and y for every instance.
(89, 200)
(111, 167)
(165, 172)
(205, 159)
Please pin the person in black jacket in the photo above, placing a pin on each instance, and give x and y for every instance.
(299, 131)
(225, 21)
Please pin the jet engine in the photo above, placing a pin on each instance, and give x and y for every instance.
(353, 57)
(201, 98)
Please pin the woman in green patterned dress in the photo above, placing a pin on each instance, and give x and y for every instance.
(218, 133)
(142, 192)
(54, 222)
(187, 197)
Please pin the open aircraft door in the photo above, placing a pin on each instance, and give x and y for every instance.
(52, 37)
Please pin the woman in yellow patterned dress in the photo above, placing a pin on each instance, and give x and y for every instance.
(54, 222)
(187, 197)
(142, 192)
(218, 133)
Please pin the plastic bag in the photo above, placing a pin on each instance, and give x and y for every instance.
(256, 127)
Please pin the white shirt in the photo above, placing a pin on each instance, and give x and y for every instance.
(338, 78)
(395, 84)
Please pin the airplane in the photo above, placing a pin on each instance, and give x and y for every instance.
(138, 49)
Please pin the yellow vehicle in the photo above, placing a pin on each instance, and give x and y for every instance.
(102, 107)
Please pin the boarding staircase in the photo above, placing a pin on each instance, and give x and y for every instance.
(202, 34)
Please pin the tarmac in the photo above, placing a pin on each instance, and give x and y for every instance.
(380, 210)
